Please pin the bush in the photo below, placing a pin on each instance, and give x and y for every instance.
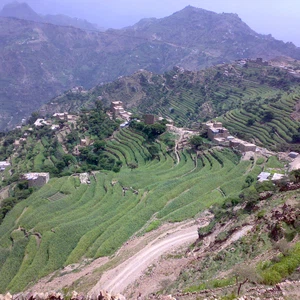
(260, 161)
(222, 236)
(203, 231)
(275, 272)
(153, 225)
(196, 141)
(261, 213)
(271, 277)
(265, 186)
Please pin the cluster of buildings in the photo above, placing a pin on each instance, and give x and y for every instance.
(117, 111)
(40, 122)
(258, 61)
(59, 117)
(65, 117)
(221, 136)
(78, 90)
(266, 176)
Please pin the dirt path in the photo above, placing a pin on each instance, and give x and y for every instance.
(181, 132)
(61, 141)
(236, 236)
(4, 193)
(221, 192)
(117, 279)
(176, 147)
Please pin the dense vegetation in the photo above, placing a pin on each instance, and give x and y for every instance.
(47, 150)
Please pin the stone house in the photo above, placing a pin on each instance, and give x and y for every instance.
(216, 130)
(36, 179)
(117, 110)
(41, 122)
(149, 119)
(61, 116)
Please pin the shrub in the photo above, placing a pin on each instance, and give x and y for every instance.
(271, 277)
(275, 272)
(260, 161)
(153, 225)
(222, 236)
(264, 186)
(261, 214)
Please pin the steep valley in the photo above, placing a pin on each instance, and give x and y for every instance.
(191, 189)
(40, 60)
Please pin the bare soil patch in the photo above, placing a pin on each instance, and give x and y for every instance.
(295, 164)
(67, 276)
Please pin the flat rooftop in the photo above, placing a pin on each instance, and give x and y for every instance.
(31, 176)
(263, 176)
(277, 176)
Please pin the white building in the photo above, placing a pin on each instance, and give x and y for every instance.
(4, 165)
(36, 179)
(263, 176)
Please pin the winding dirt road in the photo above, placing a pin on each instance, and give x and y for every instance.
(117, 279)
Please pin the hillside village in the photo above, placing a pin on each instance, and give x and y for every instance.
(61, 124)
(159, 161)
(122, 166)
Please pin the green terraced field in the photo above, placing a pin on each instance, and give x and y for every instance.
(88, 221)
(272, 133)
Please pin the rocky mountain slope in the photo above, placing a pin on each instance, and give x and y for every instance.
(38, 61)
(261, 95)
(25, 12)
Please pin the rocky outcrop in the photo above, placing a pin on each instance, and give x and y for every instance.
(102, 295)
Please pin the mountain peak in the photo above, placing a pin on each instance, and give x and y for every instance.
(24, 11)
(20, 11)
(193, 9)
(203, 12)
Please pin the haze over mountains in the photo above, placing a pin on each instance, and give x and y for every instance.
(25, 12)
(41, 60)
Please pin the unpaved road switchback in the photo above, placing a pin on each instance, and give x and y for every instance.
(116, 280)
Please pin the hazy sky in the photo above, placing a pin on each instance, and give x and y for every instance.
(281, 18)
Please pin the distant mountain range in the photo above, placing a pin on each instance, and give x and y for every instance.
(25, 12)
(39, 60)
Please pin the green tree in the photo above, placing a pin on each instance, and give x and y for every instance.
(196, 141)
(250, 122)
(295, 176)
(268, 116)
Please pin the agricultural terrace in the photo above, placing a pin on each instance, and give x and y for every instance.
(65, 221)
(266, 121)
(190, 98)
